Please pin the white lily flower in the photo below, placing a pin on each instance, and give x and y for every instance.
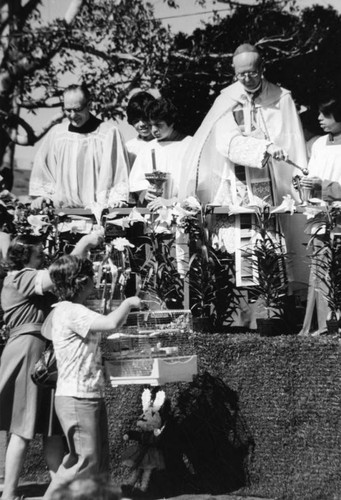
(287, 205)
(135, 216)
(165, 216)
(121, 244)
(37, 222)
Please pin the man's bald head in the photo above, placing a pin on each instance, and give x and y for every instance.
(245, 48)
(248, 67)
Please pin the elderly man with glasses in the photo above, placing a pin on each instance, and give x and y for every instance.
(82, 160)
(240, 150)
(239, 153)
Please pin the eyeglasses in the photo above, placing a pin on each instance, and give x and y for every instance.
(249, 74)
(75, 110)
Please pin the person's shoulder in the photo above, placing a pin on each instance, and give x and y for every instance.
(132, 142)
(67, 305)
(276, 91)
(16, 276)
(272, 93)
(319, 142)
(232, 90)
(56, 133)
(228, 98)
(135, 143)
(186, 140)
(108, 126)
(60, 127)
(154, 143)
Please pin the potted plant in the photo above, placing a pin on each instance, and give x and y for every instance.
(156, 263)
(325, 226)
(266, 258)
(214, 297)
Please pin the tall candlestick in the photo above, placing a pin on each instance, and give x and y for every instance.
(153, 160)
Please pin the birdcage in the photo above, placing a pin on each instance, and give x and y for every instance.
(111, 270)
(151, 348)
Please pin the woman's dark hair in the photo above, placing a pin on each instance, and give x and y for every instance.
(136, 108)
(331, 107)
(20, 251)
(163, 109)
(69, 274)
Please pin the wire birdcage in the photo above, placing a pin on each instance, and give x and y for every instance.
(150, 348)
(112, 271)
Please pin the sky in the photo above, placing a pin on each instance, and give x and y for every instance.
(187, 17)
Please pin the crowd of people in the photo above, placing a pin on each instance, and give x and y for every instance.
(246, 149)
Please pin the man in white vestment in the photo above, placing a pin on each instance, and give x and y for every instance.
(81, 161)
(252, 124)
(239, 152)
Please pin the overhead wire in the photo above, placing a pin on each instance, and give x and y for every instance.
(192, 14)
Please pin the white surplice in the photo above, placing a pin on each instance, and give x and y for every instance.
(325, 163)
(78, 169)
(227, 162)
(168, 158)
(221, 142)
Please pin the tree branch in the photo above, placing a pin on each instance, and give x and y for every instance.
(12, 122)
(38, 104)
(98, 53)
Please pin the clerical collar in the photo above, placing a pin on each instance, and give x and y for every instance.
(88, 127)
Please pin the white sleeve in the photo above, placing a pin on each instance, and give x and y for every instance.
(238, 148)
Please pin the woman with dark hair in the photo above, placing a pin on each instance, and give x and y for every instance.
(76, 333)
(164, 153)
(137, 118)
(26, 299)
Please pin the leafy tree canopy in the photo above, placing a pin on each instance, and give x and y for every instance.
(118, 45)
(113, 45)
(300, 47)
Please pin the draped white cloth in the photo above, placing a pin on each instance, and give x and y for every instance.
(168, 158)
(235, 134)
(220, 143)
(78, 169)
(134, 146)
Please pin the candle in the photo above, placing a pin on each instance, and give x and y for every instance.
(153, 160)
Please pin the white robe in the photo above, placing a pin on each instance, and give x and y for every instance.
(220, 143)
(325, 163)
(134, 146)
(168, 158)
(78, 169)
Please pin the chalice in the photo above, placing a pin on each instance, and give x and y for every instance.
(157, 180)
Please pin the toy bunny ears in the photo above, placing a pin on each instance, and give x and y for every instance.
(147, 400)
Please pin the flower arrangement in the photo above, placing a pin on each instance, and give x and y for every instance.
(266, 257)
(211, 271)
(161, 255)
(154, 260)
